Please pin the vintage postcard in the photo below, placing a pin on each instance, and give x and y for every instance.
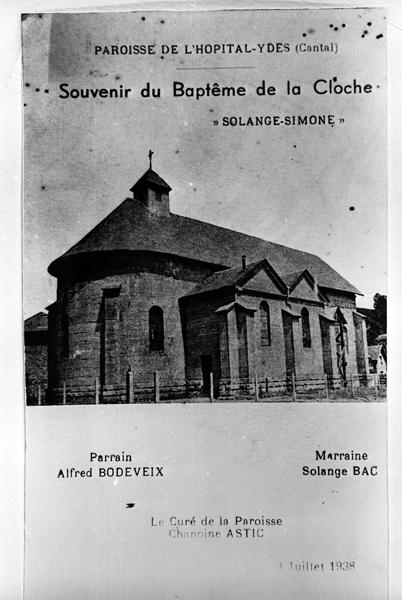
(205, 296)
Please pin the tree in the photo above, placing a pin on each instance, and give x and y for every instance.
(377, 319)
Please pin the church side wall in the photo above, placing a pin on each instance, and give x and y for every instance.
(203, 331)
(269, 361)
(309, 361)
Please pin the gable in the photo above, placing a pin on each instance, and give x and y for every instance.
(304, 291)
(262, 282)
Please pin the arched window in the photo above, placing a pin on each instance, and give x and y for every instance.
(306, 328)
(156, 329)
(265, 325)
(65, 335)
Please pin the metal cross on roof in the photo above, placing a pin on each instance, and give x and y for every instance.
(150, 153)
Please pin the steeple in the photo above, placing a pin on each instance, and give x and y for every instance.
(152, 191)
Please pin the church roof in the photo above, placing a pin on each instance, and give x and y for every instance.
(131, 227)
(221, 279)
(291, 278)
(151, 178)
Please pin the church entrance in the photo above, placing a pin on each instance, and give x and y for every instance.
(206, 368)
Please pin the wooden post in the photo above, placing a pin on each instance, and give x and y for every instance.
(64, 393)
(256, 390)
(39, 395)
(97, 390)
(351, 386)
(326, 387)
(293, 387)
(129, 386)
(211, 386)
(266, 386)
(375, 385)
(157, 387)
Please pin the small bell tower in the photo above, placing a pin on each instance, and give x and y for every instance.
(152, 191)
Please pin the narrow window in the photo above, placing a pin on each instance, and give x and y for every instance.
(306, 328)
(265, 325)
(65, 335)
(345, 333)
(156, 330)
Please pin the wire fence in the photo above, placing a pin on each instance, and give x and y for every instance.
(158, 387)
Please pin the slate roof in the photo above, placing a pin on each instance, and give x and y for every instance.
(131, 227)
(153, 179)
(221, 279)
(291, 278)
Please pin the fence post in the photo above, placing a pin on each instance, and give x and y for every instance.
(351, 386)
(129, 386)
(64, 393)
(266, 386)
(293, 388)
(326, 386)
(39, 395)
(211, 386)
(157, 386)
(256, 390)
(97, 386)
(375, 385)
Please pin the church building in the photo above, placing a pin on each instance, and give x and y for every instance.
(150, 291)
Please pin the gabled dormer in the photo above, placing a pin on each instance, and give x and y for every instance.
(257, 277)
(303, 286)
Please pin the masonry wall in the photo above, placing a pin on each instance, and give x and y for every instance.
(309, 360)
(347, 303)
(269, 361)
(341, 299)
(158, 283)
(35, 364)
(203, 328)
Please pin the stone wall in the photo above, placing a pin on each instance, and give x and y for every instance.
(269, 360)
(87, 303)
(202, 330)
(35, 365)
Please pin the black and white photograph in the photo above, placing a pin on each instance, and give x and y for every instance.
(205, 304)
(228, 262)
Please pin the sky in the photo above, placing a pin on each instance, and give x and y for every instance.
(320, 189)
